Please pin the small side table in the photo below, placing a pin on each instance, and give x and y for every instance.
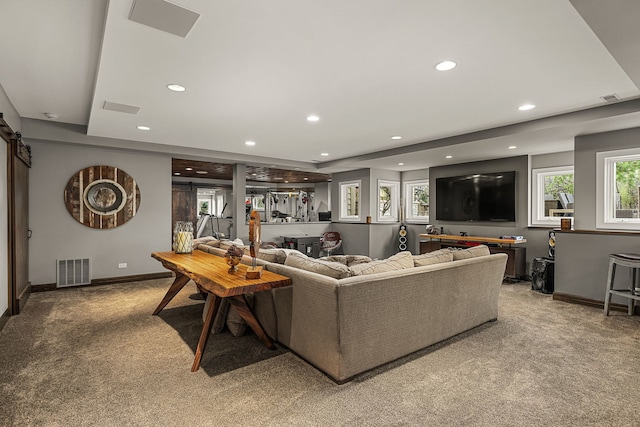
(633, 291)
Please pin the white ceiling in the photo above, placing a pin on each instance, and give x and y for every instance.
(255, 69)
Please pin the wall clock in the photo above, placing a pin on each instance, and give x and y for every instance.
(102, 197)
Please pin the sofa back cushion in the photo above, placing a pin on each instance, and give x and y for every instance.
(326, 268)
(347, 260)
(273, 255)
(395, 262)
(207, 240)
(472, 252)
(435, 257)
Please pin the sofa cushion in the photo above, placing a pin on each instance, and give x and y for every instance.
(435, 257)
(347, 260)
(273, 255)
(225, 244)
(395, 262)
(207, 240)
(326, 268)
(472, 252)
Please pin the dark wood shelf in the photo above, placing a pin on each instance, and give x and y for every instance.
(516, 261)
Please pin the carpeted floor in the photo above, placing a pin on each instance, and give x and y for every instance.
(95, 356)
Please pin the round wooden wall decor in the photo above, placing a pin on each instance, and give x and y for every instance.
(102, 197)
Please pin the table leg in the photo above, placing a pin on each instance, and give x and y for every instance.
(176, 286)
(240, 304)
(206, 331)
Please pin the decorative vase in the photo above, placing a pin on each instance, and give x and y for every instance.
(183, 237)
(233, 262)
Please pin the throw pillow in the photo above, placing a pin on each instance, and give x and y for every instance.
(435, 257)
(237, 326)
(395, 262)
(221, 316)
(326, 268)
(475, 251)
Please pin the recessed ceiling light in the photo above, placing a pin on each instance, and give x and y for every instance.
(143, 128)
(176, 173)
(313, 118)
(306, 179)
(176, 88)
(286, 182)
(188, 169)
(202, 172)
(400, 164)
(512, 147)
(445, 65)
(448, 157)
(324, 154)
(396, 137)
(254, 174)
(250, 143)
(526, 107)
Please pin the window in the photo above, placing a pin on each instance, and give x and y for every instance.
(388, 195)
(617, 189)
(350, 201)
(417, 201)
(258, 202)
(551, 195)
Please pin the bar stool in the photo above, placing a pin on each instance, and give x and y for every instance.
(633, 292)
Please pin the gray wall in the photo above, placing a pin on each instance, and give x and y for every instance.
(564, 158)
(582, 258)
(57, 235)
(365, 194)
(11, 117)
(582, 262)
(375, 175)
(374, 240)
(536, 238)
(586, 148)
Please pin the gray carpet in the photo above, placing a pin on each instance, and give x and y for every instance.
(95, 356)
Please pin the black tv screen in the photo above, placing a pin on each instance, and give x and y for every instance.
(477, 197)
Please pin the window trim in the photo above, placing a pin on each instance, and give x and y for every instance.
(395, 200)
(343, 185)
(537, 194)
(605, 182)
(408, 192)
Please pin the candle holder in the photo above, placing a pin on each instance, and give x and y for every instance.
(183, 237)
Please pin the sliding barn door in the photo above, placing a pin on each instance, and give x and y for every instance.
(184, 201)
(19, 218)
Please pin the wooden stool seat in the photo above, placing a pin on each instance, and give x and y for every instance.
(633, 291)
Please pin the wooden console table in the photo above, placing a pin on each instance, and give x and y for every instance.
(210, 274)
(517, 256)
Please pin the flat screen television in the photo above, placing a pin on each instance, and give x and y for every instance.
(477, 197)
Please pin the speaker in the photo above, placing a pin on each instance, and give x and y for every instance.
(542, 270)
(552, 244)
(402, 238)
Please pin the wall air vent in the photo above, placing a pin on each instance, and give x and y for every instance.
(611, 98)
(121, 108)
(164, 16)
(73, 272)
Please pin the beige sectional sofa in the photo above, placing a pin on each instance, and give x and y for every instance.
(379, 311)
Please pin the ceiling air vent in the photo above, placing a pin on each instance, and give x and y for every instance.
(164, 16)
(121, 108)
(611, 98)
